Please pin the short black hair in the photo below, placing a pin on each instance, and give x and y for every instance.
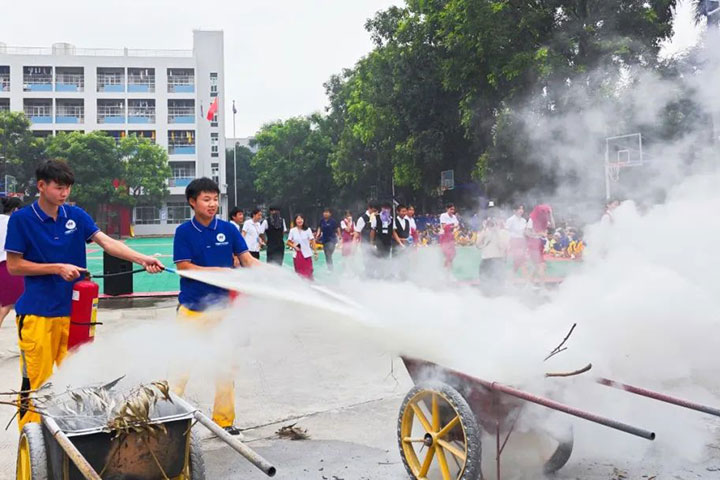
(305, 224)
(373, 205)
(10, 203)
(327, 209)
(449, 205)
(274, 208)
(55, 171)
(400, 207)
(255, 211)
(200, 185)
(235, 211)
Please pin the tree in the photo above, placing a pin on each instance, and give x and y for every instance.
(245, 177)
(146, 171)
(291, 163)
(95, 161)
(20, 151)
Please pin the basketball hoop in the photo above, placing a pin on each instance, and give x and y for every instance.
(614, 171)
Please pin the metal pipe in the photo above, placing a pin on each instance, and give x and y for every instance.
(251, 455)
(71, 451)
(247, 452)
(552, 404)
(659, 396)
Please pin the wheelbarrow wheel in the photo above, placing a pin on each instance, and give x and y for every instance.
(197, 461)
(436, 423)
(32, 456)
(561, 455)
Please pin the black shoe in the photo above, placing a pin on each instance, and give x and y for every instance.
(232, 430)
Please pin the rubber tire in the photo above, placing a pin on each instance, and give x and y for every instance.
(561, 456)
(33, 432)
(473, 469)
(197, 460)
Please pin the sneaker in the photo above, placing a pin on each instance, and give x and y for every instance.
(233, 430)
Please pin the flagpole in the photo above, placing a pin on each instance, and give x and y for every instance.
(234, 157)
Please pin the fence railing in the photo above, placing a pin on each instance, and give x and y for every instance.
(97, 52)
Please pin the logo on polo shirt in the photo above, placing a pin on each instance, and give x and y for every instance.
(221, 239)
(70, 226)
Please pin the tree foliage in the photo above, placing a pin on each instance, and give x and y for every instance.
(145, 170)
(291, 164)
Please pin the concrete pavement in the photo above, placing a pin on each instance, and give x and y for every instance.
(341, 392)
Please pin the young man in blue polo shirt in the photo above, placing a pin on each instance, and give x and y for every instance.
(207, 243)
(46, 244)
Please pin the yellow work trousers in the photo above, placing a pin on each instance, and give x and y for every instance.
(224, 405)
(43, 344)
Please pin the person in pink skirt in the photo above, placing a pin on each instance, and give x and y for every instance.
(302, 241)
(449, 224)
(347, 229)
(541, 219)
(12, 286)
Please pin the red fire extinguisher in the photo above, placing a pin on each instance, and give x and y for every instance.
(83, 314)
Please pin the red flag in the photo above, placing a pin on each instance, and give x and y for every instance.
(213, 109)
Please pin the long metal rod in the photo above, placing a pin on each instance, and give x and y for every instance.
(247, 452)
(71, 451)
(552, 404)
(659, 396)
(235, 200)
(251, 455)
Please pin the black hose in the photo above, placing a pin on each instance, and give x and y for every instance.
(116, 274)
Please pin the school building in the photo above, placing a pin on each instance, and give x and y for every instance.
(163, 95)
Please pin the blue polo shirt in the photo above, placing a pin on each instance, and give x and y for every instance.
(40, 239)
(328, 228)
(211, 246)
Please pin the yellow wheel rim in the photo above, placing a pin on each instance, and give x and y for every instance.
(24, 471)
(431, 428)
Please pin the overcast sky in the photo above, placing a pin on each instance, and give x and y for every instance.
(277, 53)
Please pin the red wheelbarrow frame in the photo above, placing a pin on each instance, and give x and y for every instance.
(497, 407)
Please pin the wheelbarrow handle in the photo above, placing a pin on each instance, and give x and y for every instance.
(71, 451)
(251, 455)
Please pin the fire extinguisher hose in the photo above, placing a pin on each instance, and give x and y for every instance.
(129, 272)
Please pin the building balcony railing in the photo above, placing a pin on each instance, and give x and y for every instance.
(181, 115)
(141, 84)
(70, 114)
(37, 83)
(39, 114)
(111, 115)
(181, 85)
(180, 182)
(111, 83)
(141, 116)
(181, 149)
(69, 82)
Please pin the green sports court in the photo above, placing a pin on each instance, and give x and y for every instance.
(465, 265)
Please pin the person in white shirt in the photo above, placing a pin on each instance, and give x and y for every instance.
(448, 224)
(237, 217)
(607, 218)
(347, 234)
(362, 226)
(254, 234)
(494, 243)
(515, 226)
(12, 286)
(302, 241)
